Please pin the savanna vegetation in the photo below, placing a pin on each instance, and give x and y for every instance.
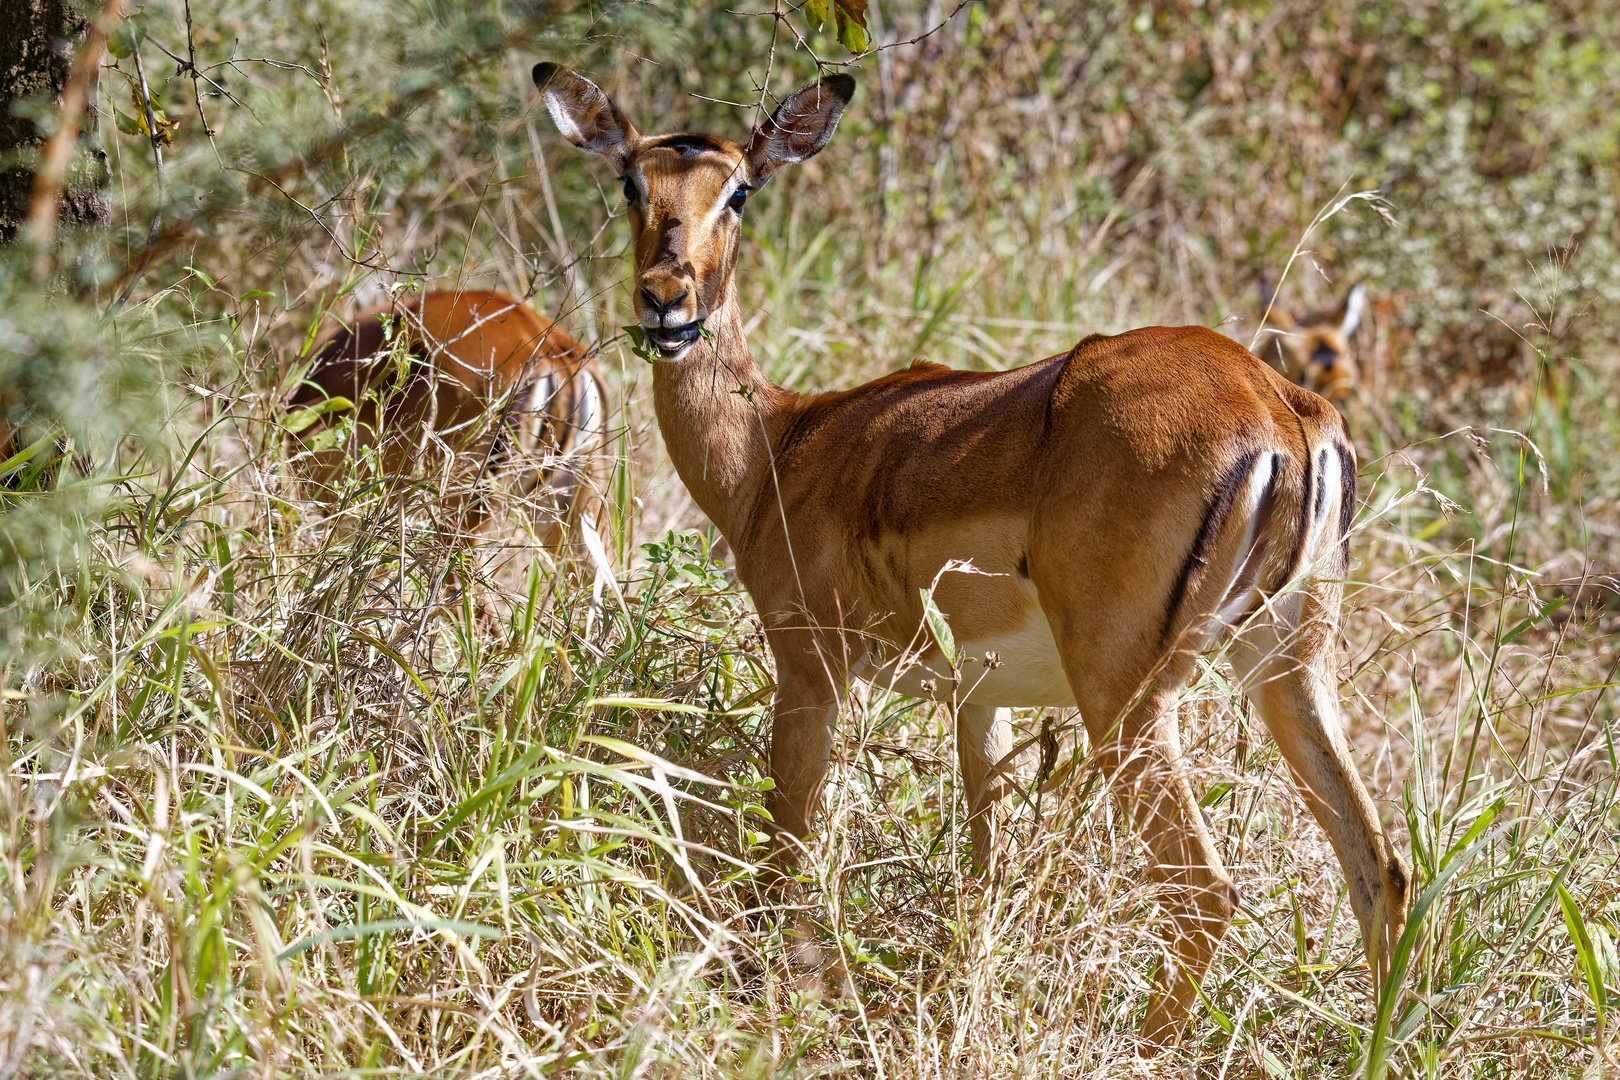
(293, 787)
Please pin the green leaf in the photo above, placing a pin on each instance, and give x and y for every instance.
(640, 703)
(1473, 832)
(125, 123)
(1584, 953)
(1532, 620)
(647, 757)
(638, 342)
(1379, 1043)
(939, 628)
(26, 454)
(299, 419)
(360, 930)
(850, 18)
(322, 440)
(121, 42)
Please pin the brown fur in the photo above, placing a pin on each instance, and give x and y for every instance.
(471, 353)
(1117, 496)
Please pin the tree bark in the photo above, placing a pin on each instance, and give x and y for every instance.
(38, 40)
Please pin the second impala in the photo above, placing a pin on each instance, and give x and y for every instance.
(1123, 503)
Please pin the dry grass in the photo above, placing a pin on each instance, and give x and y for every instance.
(298, 790)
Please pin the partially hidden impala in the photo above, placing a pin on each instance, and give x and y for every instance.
(517, 399)
(1123, 503)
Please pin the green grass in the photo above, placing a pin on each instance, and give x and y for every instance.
(294, 788)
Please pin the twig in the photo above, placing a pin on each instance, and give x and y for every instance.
(189, 66)
(155, 134)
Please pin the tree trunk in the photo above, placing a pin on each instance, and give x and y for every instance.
(38, 40)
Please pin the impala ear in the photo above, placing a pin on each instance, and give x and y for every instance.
(800, 126)
(583, 114)
(1354, 305)
(1270, 313)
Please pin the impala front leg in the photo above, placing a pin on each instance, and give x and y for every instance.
(983, 738)
(801, 739)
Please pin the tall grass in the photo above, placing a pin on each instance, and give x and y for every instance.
(294, 788)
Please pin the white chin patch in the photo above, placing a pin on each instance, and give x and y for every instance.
(677, 356)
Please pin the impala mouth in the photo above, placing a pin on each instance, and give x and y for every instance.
(671, 341)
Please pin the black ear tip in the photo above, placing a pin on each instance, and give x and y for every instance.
(842, 85)
(544, 72)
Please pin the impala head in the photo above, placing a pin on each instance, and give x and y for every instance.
(685, 192)
(1313, 347)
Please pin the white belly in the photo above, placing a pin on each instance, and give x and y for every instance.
(1030, 674)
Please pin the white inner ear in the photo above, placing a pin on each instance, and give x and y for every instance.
(1353, 305)
(779, 150)
(565, 123)
(782, 151)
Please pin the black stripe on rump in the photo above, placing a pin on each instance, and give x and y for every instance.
(1347, 507)
(1214, 517)
(1321, 484)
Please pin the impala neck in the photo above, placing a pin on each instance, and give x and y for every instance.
(720, 417)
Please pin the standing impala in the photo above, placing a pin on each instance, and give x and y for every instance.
(1121, 502)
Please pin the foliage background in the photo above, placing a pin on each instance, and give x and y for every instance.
(276, 800)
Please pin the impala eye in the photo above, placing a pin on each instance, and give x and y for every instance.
(737, 199)
(629, 190)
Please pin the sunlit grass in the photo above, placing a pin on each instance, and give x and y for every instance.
(293, 787)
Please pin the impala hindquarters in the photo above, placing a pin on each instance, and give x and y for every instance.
(516, 401)
(1120, 504)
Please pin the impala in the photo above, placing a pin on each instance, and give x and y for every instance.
(1120, 503)
(513, 395)
(1313, 347)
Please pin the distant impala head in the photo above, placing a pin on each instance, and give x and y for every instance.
(685, 192)
(1312, 348)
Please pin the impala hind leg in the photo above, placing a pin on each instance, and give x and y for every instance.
(1142, 759)
(983, 738)
(1289, 675)
(1129, 710)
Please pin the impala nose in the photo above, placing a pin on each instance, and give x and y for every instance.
(663, 309)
